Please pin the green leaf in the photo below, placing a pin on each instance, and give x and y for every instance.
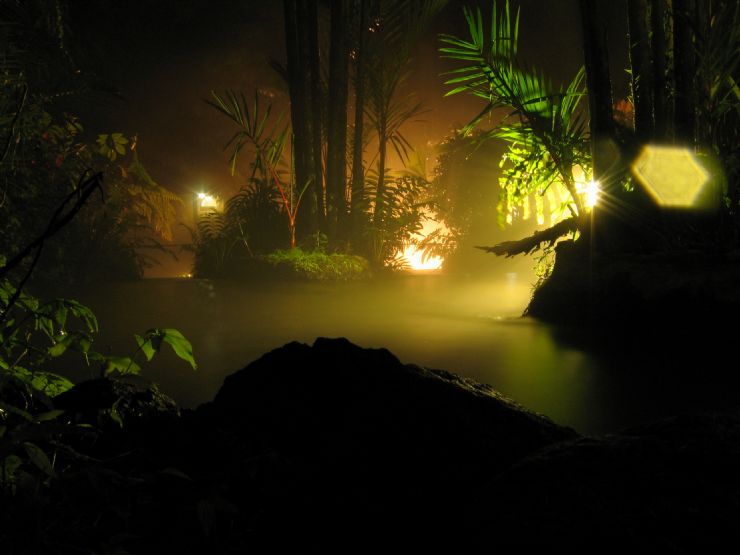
(49, 383)
(179, 344)
(60, 315)
(39, 458)
(49, 415)
(15, 410)
(123, 365)
(8, 467)
(59, 347)
(146, 347)
(115, 415)
(83, 313)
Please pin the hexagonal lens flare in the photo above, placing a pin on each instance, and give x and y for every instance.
(671, 175)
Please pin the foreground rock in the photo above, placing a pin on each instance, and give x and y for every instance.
(332, 448)
(668, 487)
(371, 447)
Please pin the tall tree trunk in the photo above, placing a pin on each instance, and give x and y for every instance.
(684, 66)
(336, 167)
(379, 210)
(659, 47)
(598, 81)
(299, 106)
(702, 26)
(310, 215)
(358, 174)
(642, 70)
(316, 120)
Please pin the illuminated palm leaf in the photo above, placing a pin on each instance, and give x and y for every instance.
(253, 123)
(544, 130)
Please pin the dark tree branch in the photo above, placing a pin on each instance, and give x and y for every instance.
(533, 242)
(61, 217)
(13, 123)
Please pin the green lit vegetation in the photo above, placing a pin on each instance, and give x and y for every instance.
(685, 94)
(317, 265)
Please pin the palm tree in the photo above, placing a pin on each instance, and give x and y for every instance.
(395, 27)
(543, 127)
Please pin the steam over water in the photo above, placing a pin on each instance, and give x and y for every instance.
(471, 327)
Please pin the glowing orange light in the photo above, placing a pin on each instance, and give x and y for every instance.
(414, 257)
(415, 260)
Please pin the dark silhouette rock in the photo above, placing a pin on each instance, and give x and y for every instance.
(667, 487)
(630, 289)
(378, 448)
(333, 448)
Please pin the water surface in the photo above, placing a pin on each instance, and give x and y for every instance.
(468, 326)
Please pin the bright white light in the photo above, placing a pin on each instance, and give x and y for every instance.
(207, 201)
(592, 193)
(589, 191)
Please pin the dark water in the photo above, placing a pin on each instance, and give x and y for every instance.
(464, 325)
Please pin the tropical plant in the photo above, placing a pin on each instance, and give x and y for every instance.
(41, 167)
(45, 151)
(319, 265)
(395, 28)
(267, 167)
(407, 205)
(464, 192)
(718, 106)
(34, 334)
(543, 129)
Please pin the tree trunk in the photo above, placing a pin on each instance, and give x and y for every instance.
(642, 70)
(684, 66)
(659, 47)
(297, 91)
(358, 175)
(336, 170)
(316, 120)
(378, 213)
(703, 83)
(603, 225)
(311, 214)
(598, 81)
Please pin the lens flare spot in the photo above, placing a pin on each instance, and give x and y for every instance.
(672, 176)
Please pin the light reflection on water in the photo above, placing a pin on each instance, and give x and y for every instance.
(471, 327)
